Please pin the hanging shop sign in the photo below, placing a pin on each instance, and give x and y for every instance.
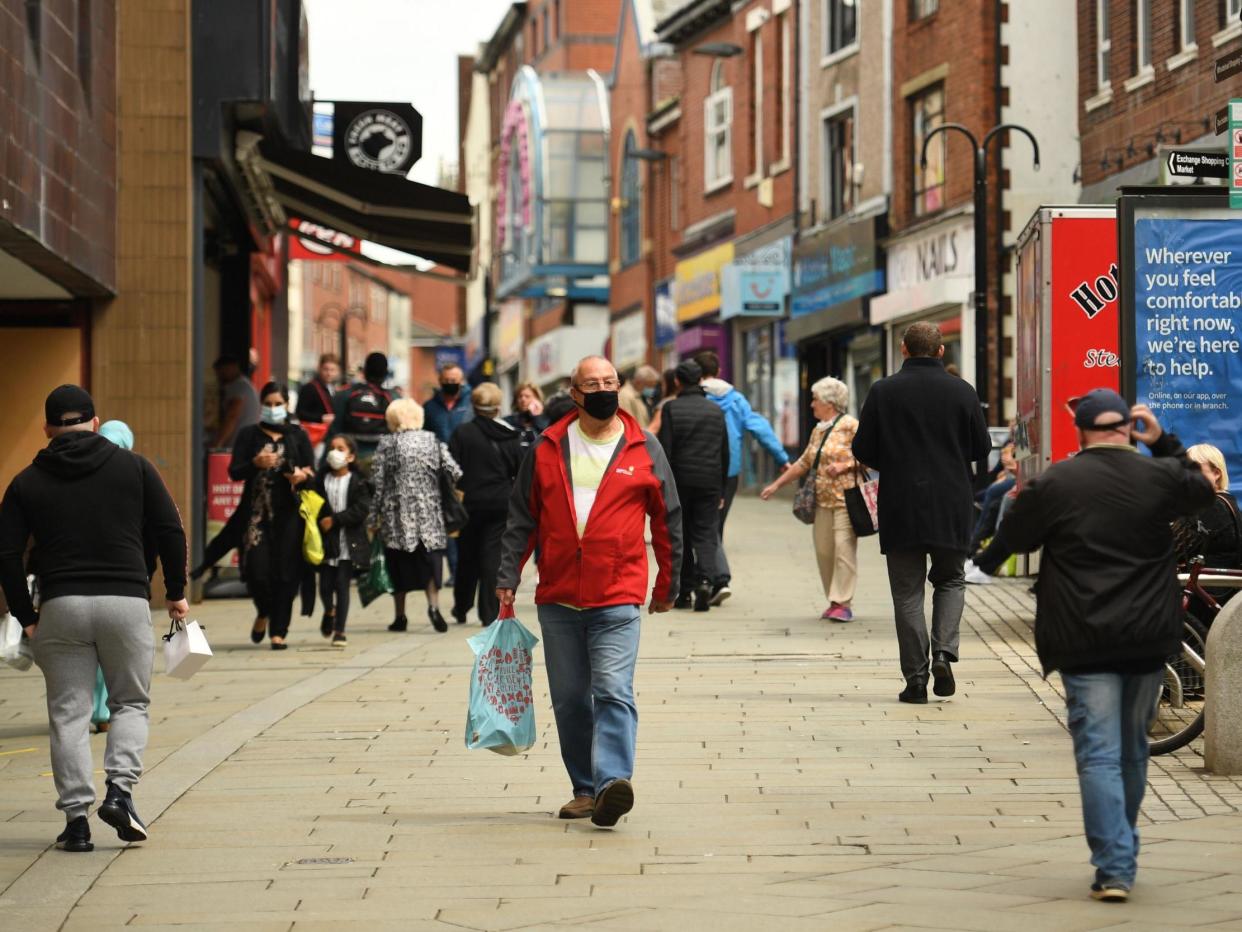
(310, 240)
(378, 136)
(509, 333)
(696, 283)
(756, 284)
(665, 315)
(629, 340)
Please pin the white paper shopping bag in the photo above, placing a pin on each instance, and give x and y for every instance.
(185, 649)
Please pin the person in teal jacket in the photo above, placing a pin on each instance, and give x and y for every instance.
(739, 417)
(120, 434)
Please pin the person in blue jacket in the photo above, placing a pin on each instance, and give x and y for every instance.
(739, 417)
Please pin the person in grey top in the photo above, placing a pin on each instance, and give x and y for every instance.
(239, 402)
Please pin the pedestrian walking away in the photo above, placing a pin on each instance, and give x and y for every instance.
(346, 493)
(273, 458)
(740, 418)
(582, 496)
(447, 410)
(89, 506)
(923, 428)
(488, 451)
(359, 411)
(829, 460)
(696, 443)
(407, 509)
(1109, 609)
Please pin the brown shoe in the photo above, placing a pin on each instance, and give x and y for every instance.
(580, 807)
(615, 801)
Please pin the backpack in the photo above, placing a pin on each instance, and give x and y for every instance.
(364, 411)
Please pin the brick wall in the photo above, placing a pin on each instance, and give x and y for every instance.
(58, 150)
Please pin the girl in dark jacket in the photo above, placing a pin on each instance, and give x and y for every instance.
(273, 458)
(1215, 533)
(489, 452)
(346, 551)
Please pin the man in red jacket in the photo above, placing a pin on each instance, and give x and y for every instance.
(582, 495)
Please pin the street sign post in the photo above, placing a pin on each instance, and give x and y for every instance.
(1235, 153)
(1228, 65)
(1187, 163)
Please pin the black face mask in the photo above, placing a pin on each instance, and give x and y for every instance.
(601, 405)
(450, 389)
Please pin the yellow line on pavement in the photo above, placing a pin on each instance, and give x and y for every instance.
(21, 751)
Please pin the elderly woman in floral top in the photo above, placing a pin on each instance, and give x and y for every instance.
(836, 545)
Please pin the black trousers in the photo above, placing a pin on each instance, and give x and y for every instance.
(274, 599)
(700, 522)
(723, 573)
(478, 564)
(334, 592)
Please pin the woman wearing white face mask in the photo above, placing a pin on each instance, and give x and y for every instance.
(346, 551)
(273, 458)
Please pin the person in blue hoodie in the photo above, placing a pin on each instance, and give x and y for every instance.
(447, 410)
(739, 417)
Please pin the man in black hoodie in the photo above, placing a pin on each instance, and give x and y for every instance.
(88, 506)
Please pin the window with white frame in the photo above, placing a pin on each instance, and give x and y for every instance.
(718, 131)
(839, 158)
(784, 92)
(1142, 36)
(756, 103)
(1186, 24)
(840, 25)
(1103, 44)
(1230, 10)
(926, 113)
(921, 8)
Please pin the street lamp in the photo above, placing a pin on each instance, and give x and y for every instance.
(981, 240)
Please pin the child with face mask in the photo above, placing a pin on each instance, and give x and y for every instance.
(347, 502)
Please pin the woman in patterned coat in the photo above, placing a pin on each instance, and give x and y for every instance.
(407, 509)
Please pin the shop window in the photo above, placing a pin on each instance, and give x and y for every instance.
(840, 25)
(1103, 44)
(1142, 36)
(839, 158)
(1186, 25)
(927, 112)
(921, 8)
(631, 205)
(576, 211)
(718, 132)
(1230, 11)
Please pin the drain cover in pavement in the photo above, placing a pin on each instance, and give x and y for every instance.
(325, 861)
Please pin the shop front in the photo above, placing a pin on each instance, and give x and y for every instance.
(698, 296)
(931, 277)
(507, 339)
(627, 342)
(550, 359)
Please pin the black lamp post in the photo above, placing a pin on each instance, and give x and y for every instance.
(981, 238)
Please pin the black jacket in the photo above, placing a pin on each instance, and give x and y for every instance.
(89, 506)
(695, 440)
(250, 443)
(1107, 591)
(314, 402)
(922, 428)
(353, 519)
(489, 453)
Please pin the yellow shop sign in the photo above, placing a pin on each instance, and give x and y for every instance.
(696, 282)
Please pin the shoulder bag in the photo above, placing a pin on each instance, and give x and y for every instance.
(804, 499)
(455, 515)
(862, 503)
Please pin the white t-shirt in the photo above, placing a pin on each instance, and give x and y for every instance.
(588, 459)
(337, 488)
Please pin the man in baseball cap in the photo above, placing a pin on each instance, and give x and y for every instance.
(88, 506)
(1109, 609)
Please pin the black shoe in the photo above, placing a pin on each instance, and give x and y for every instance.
(942, 672)
(257, 633)
(615, 801)
(459, 616)
(915, 691)
(685, 600)
(339, 640)
(702, 598)
(326, 624)
(399, 624)
(76, 836)
(118, 811)
(720, 593)
(437, 620)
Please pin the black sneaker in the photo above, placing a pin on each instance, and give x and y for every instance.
(437, 620)
(685, 600)
(719, 594)
(326, 624)
(399, 624)
(339, 640)
(76, 836)
(915, 691)
(702, 598)
(118, 811)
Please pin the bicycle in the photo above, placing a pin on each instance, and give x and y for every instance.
(1179, 713)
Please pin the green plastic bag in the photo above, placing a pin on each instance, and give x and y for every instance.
(375, 582)
(502, 715)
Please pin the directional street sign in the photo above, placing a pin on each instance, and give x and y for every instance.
(1185, 163)
(1235, 153)
(1228, 65)
(1222, 120)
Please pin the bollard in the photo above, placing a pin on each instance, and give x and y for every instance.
(1222, 733)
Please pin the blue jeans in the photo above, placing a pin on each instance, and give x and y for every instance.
(1108, 718)
(590, 655)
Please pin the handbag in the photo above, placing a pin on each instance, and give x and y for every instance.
(185, 649)
(862, 504)
(455, 514)
(14, 646)
(310, 504)
(804, 499)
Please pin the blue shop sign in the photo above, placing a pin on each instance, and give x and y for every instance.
(833, 267)
(747, 292)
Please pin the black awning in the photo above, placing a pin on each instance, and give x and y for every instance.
(428, 222)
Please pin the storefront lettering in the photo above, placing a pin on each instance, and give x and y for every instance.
(1094, 300)
(938, 256)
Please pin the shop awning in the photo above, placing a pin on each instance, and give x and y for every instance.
(428, 222)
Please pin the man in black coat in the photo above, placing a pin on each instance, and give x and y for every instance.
(1109, 609)
(922, 428)
(696, 442)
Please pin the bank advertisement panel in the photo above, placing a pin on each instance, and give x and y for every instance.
(1187, 307)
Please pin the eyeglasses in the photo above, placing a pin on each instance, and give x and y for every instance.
(597, 385)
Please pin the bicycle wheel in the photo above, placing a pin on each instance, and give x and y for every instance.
(1178, 716)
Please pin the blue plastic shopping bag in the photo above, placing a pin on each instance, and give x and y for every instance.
(502, 714)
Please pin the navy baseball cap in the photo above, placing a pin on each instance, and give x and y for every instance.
(70, 400)
(689, 373)
(1088, 408)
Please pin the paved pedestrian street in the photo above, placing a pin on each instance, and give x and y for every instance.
(779, 786)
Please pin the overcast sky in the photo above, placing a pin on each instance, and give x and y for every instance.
(400, 50)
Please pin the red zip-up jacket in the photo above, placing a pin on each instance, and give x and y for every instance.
(607, 565)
